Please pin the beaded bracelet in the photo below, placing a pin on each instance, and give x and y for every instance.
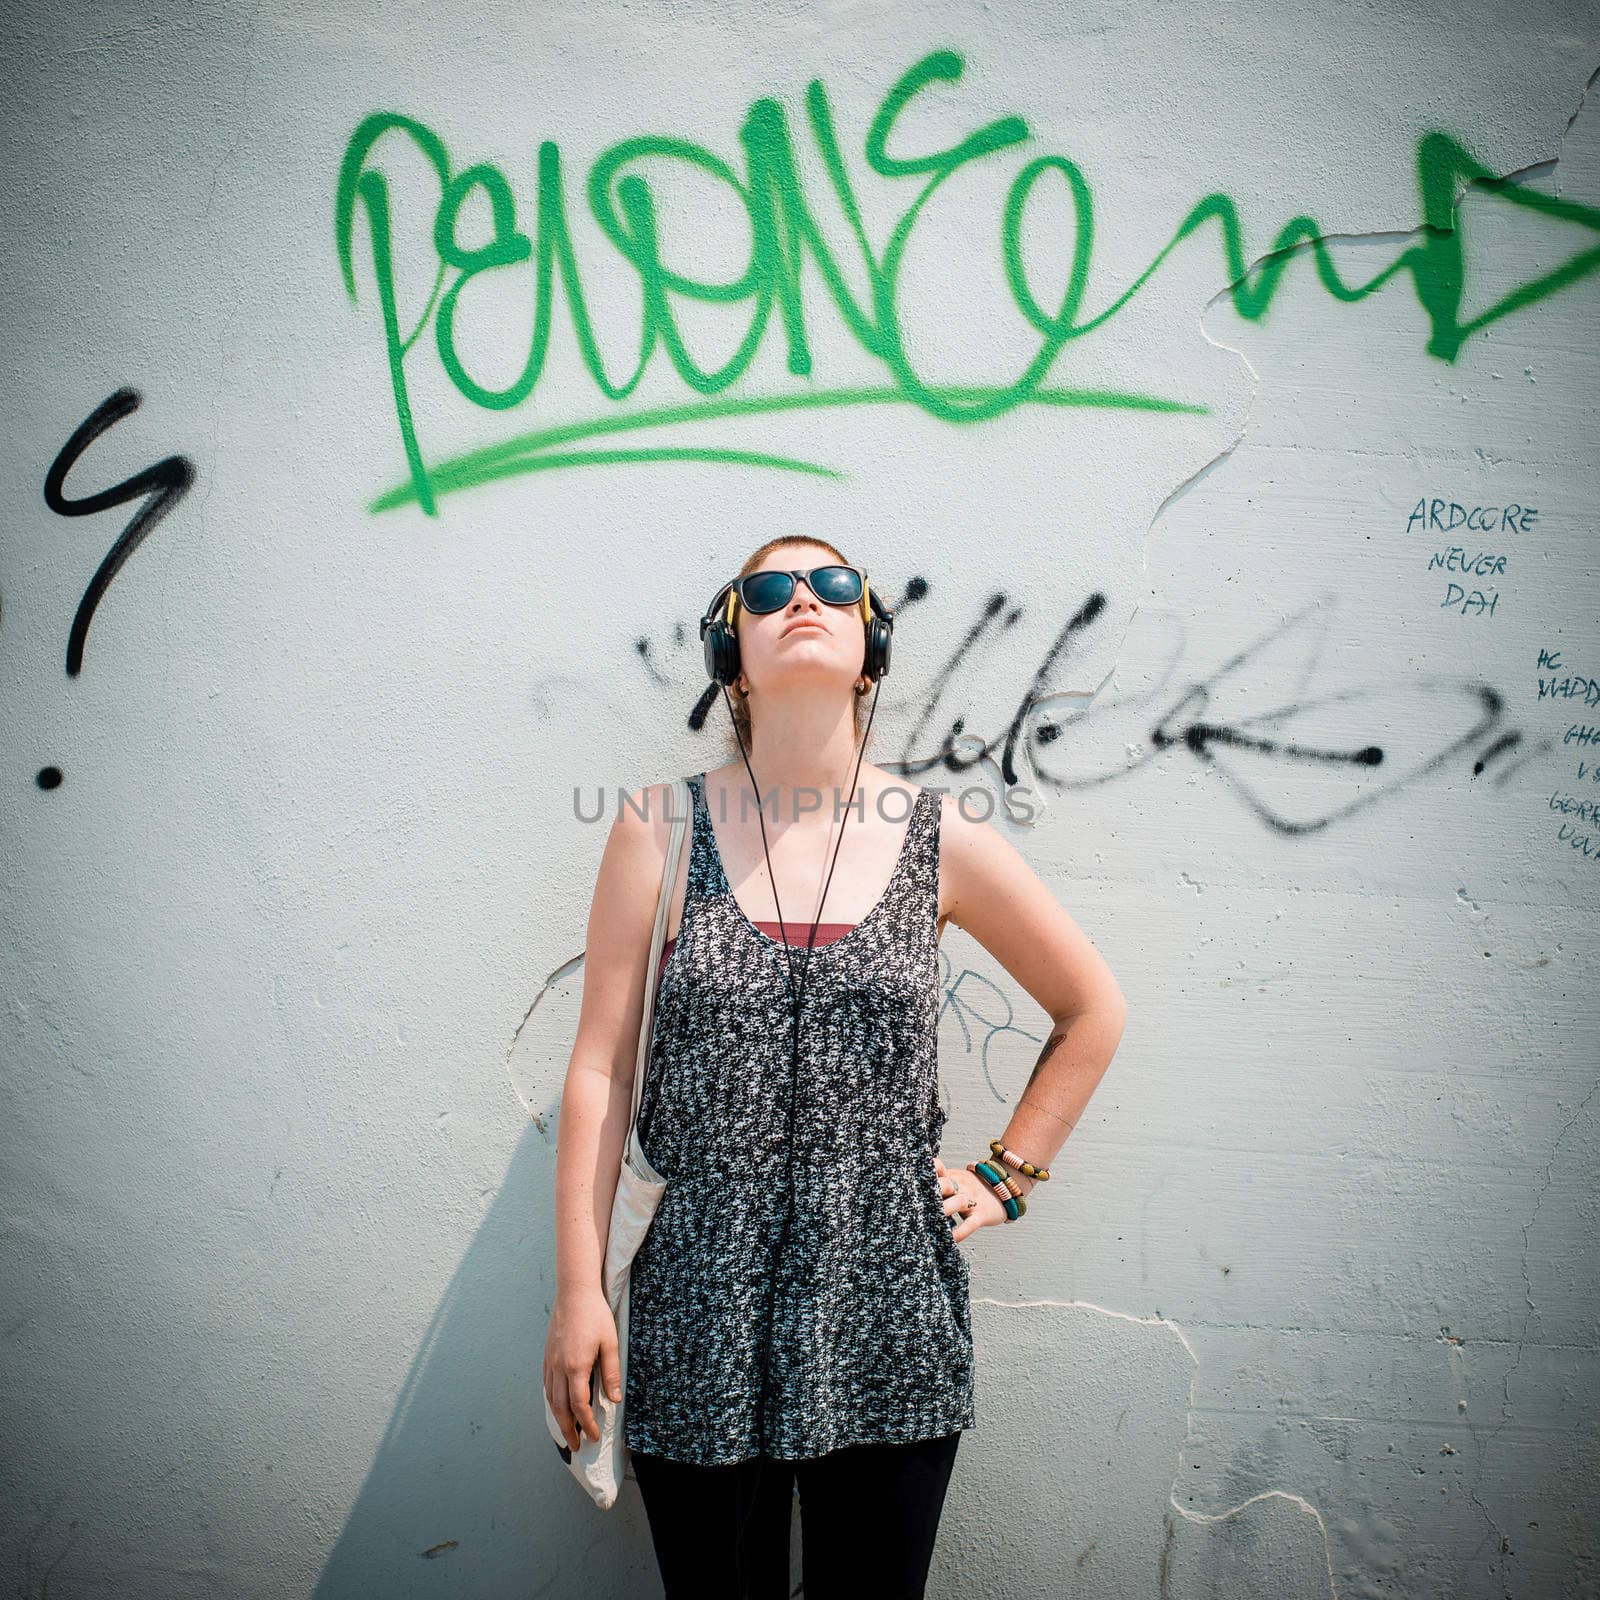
(1004, 1186)
(1010, 1192)
(1026, 1168)
(1000, 1171)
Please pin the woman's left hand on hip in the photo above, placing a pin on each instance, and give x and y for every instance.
(968, 1199)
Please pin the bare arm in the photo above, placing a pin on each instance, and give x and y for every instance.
(992, 893)
(598, 1094)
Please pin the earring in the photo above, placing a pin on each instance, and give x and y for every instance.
(741, 688)
(863, 685)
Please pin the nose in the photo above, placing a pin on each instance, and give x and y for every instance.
(802, 600)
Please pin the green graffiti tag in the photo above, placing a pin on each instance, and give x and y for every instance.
(785, 234)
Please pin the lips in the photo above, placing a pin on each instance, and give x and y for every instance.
(794, 627)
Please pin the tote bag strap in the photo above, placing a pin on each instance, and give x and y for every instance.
(679, 813)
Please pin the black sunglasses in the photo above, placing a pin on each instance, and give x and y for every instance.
(761, 592)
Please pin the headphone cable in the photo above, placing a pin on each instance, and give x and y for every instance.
(794, 1067)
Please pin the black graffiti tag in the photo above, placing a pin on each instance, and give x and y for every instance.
(162, 486)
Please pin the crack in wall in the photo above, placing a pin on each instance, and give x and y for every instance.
(556, 975)
(1561, 143)
(1199, 1518)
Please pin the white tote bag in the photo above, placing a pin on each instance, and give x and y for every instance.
(598, 1464)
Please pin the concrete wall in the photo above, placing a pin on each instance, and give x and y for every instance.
(306, 639)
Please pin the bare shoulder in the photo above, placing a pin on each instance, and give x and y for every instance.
(621, 921)
(642, 820)
(960, 841)
(629, 876)
(988, 875)
(991, 891)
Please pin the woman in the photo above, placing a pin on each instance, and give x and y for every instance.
(799, 1315)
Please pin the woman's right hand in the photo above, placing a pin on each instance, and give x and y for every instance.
(582, 1332)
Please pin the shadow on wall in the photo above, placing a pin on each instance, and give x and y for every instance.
(465, 1478)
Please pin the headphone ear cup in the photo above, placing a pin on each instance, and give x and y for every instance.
(722, 653)
(880, 636)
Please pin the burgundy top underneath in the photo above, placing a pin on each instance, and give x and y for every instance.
(827, 932)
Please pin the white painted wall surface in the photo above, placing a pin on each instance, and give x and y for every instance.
(289, 977)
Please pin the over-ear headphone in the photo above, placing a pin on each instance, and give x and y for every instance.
(722, 640)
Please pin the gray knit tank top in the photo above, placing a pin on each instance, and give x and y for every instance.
(798, 1290)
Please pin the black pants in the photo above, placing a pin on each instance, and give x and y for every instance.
(869, 1514)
